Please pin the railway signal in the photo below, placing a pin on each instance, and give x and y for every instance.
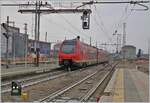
(16, 89)
(85, 20)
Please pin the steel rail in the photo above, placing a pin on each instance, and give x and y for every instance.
(27, 79)
(36, 82)
(104, 79)
(39, 81)
(61, 91)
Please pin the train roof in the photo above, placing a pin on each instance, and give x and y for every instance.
(85, 44)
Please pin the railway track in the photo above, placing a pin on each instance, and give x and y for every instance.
(25, 82)
(81, 90)
(33, 80)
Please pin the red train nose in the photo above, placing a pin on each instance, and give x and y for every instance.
(67, 56)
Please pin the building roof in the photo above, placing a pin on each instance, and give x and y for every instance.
(128, 46)
(39, 41)
(10, 28)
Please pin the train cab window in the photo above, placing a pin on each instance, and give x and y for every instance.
(68, 46)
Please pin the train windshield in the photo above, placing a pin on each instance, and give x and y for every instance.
(69, 46)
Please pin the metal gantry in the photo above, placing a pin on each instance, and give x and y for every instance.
(140, 3)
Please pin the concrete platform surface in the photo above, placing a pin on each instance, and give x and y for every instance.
(12, 71)
(127, 85)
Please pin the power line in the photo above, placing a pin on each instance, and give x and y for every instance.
(100, 19)
(62, 27)
(75, 28)
(115, 24)
(123, 19)
(101, 25)
(102, 30)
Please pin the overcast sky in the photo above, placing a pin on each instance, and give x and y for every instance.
(105, 19)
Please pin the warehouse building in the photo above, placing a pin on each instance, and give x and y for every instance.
(128, 52)
(19, 45)
(44, 47)
(16, 42)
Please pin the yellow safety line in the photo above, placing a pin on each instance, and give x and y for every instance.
(119, 87)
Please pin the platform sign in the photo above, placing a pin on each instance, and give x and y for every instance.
(16, 88)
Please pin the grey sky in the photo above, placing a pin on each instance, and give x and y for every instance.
(104, 21)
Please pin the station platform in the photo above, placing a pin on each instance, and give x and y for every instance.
(127, 85)
(22, 70)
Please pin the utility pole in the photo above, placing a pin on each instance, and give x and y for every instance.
(14, 48)
(46, 37)
(25, 56)
(13, 36)
(96, 53)
(7, 38)
(36, 37)
(124, 39)
(90, 41)
(124, 35)
(118, 41)
(38, 5)
(149, 50)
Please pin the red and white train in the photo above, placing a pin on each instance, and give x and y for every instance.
(76, 53)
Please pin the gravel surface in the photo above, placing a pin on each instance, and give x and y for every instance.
(43, 89)
(79, 91)
(25, 80)
(143, 68)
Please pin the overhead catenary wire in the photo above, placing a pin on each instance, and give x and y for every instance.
(100, 28)
(75, 28)
(124, 18)
(115, 24)
(100, 19)
(101, 25)
(61, 26)
(100, 31)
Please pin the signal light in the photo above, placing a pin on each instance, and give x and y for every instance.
(85, 20)
(16, 89)
(85, 13)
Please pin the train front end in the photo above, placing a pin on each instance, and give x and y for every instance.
(68, 54)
